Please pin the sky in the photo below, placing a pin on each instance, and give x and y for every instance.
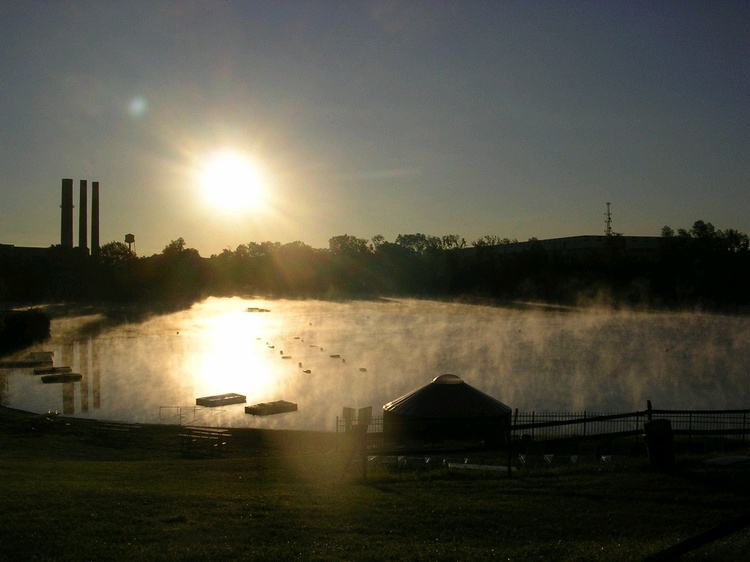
(515, 119)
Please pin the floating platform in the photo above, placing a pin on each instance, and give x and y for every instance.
(33, 359)
(221, 400)
(24, 363)
(61, 377)
(271, 408)
(51, 370)
(256, 309)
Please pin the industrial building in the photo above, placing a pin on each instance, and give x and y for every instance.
(66, 224)
(571, 246)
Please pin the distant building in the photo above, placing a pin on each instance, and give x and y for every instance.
(572, 246)
(22, 252)
(66, 224)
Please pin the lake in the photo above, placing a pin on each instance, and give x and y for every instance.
(328, 355)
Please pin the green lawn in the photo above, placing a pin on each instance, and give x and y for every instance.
(289, 495)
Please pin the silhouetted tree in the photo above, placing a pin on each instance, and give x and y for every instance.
(699, 265)
(418, 243)
(492, 240)
(351, 268)
(115, 255)
(453, 241)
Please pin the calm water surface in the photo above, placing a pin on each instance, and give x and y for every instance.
(367, 353)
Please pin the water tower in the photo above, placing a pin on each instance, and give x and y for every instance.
(130, 240)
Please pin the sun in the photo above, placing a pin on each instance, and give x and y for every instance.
(232, 181)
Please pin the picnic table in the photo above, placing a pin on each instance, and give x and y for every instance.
(204, 442)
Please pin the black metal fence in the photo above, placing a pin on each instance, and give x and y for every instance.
(561, 425)
(687, 425)
(727, 424)
(344, 424)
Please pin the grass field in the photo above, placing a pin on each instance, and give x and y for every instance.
(283, 495)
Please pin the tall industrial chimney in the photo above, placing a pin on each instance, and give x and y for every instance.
(94, 218)
(83, 213)
(66, 218)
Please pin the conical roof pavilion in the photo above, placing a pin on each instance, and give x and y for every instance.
(447, 396)
(446, 409)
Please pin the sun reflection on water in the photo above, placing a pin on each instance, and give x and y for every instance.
(325, 356)
(227, 361)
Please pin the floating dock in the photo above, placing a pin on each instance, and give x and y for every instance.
(221, 400)
(23, 363)
(33, 359)
(62, 377)
(271, 408)
(51, 370)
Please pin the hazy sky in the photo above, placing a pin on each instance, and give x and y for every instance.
(516, 119)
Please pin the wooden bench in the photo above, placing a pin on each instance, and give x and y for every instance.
(204, 442)
(117, 434)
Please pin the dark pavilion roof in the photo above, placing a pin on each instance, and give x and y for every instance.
(447, 396)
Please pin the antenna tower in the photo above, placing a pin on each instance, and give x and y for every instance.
(608, 222)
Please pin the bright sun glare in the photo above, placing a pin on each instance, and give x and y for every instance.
(231, 181)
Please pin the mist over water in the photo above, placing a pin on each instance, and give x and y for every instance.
(531, 359)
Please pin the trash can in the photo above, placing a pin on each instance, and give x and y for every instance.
(660, 443)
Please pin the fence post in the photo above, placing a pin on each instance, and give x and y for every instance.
(362, 438)
(585, 423)
(508, 446)
(648, 410)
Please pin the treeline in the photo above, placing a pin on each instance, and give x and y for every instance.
(700, 266)
(20, 328)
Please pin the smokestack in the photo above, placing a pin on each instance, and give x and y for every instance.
(83, 216)
(94, 218)
(66, 218)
